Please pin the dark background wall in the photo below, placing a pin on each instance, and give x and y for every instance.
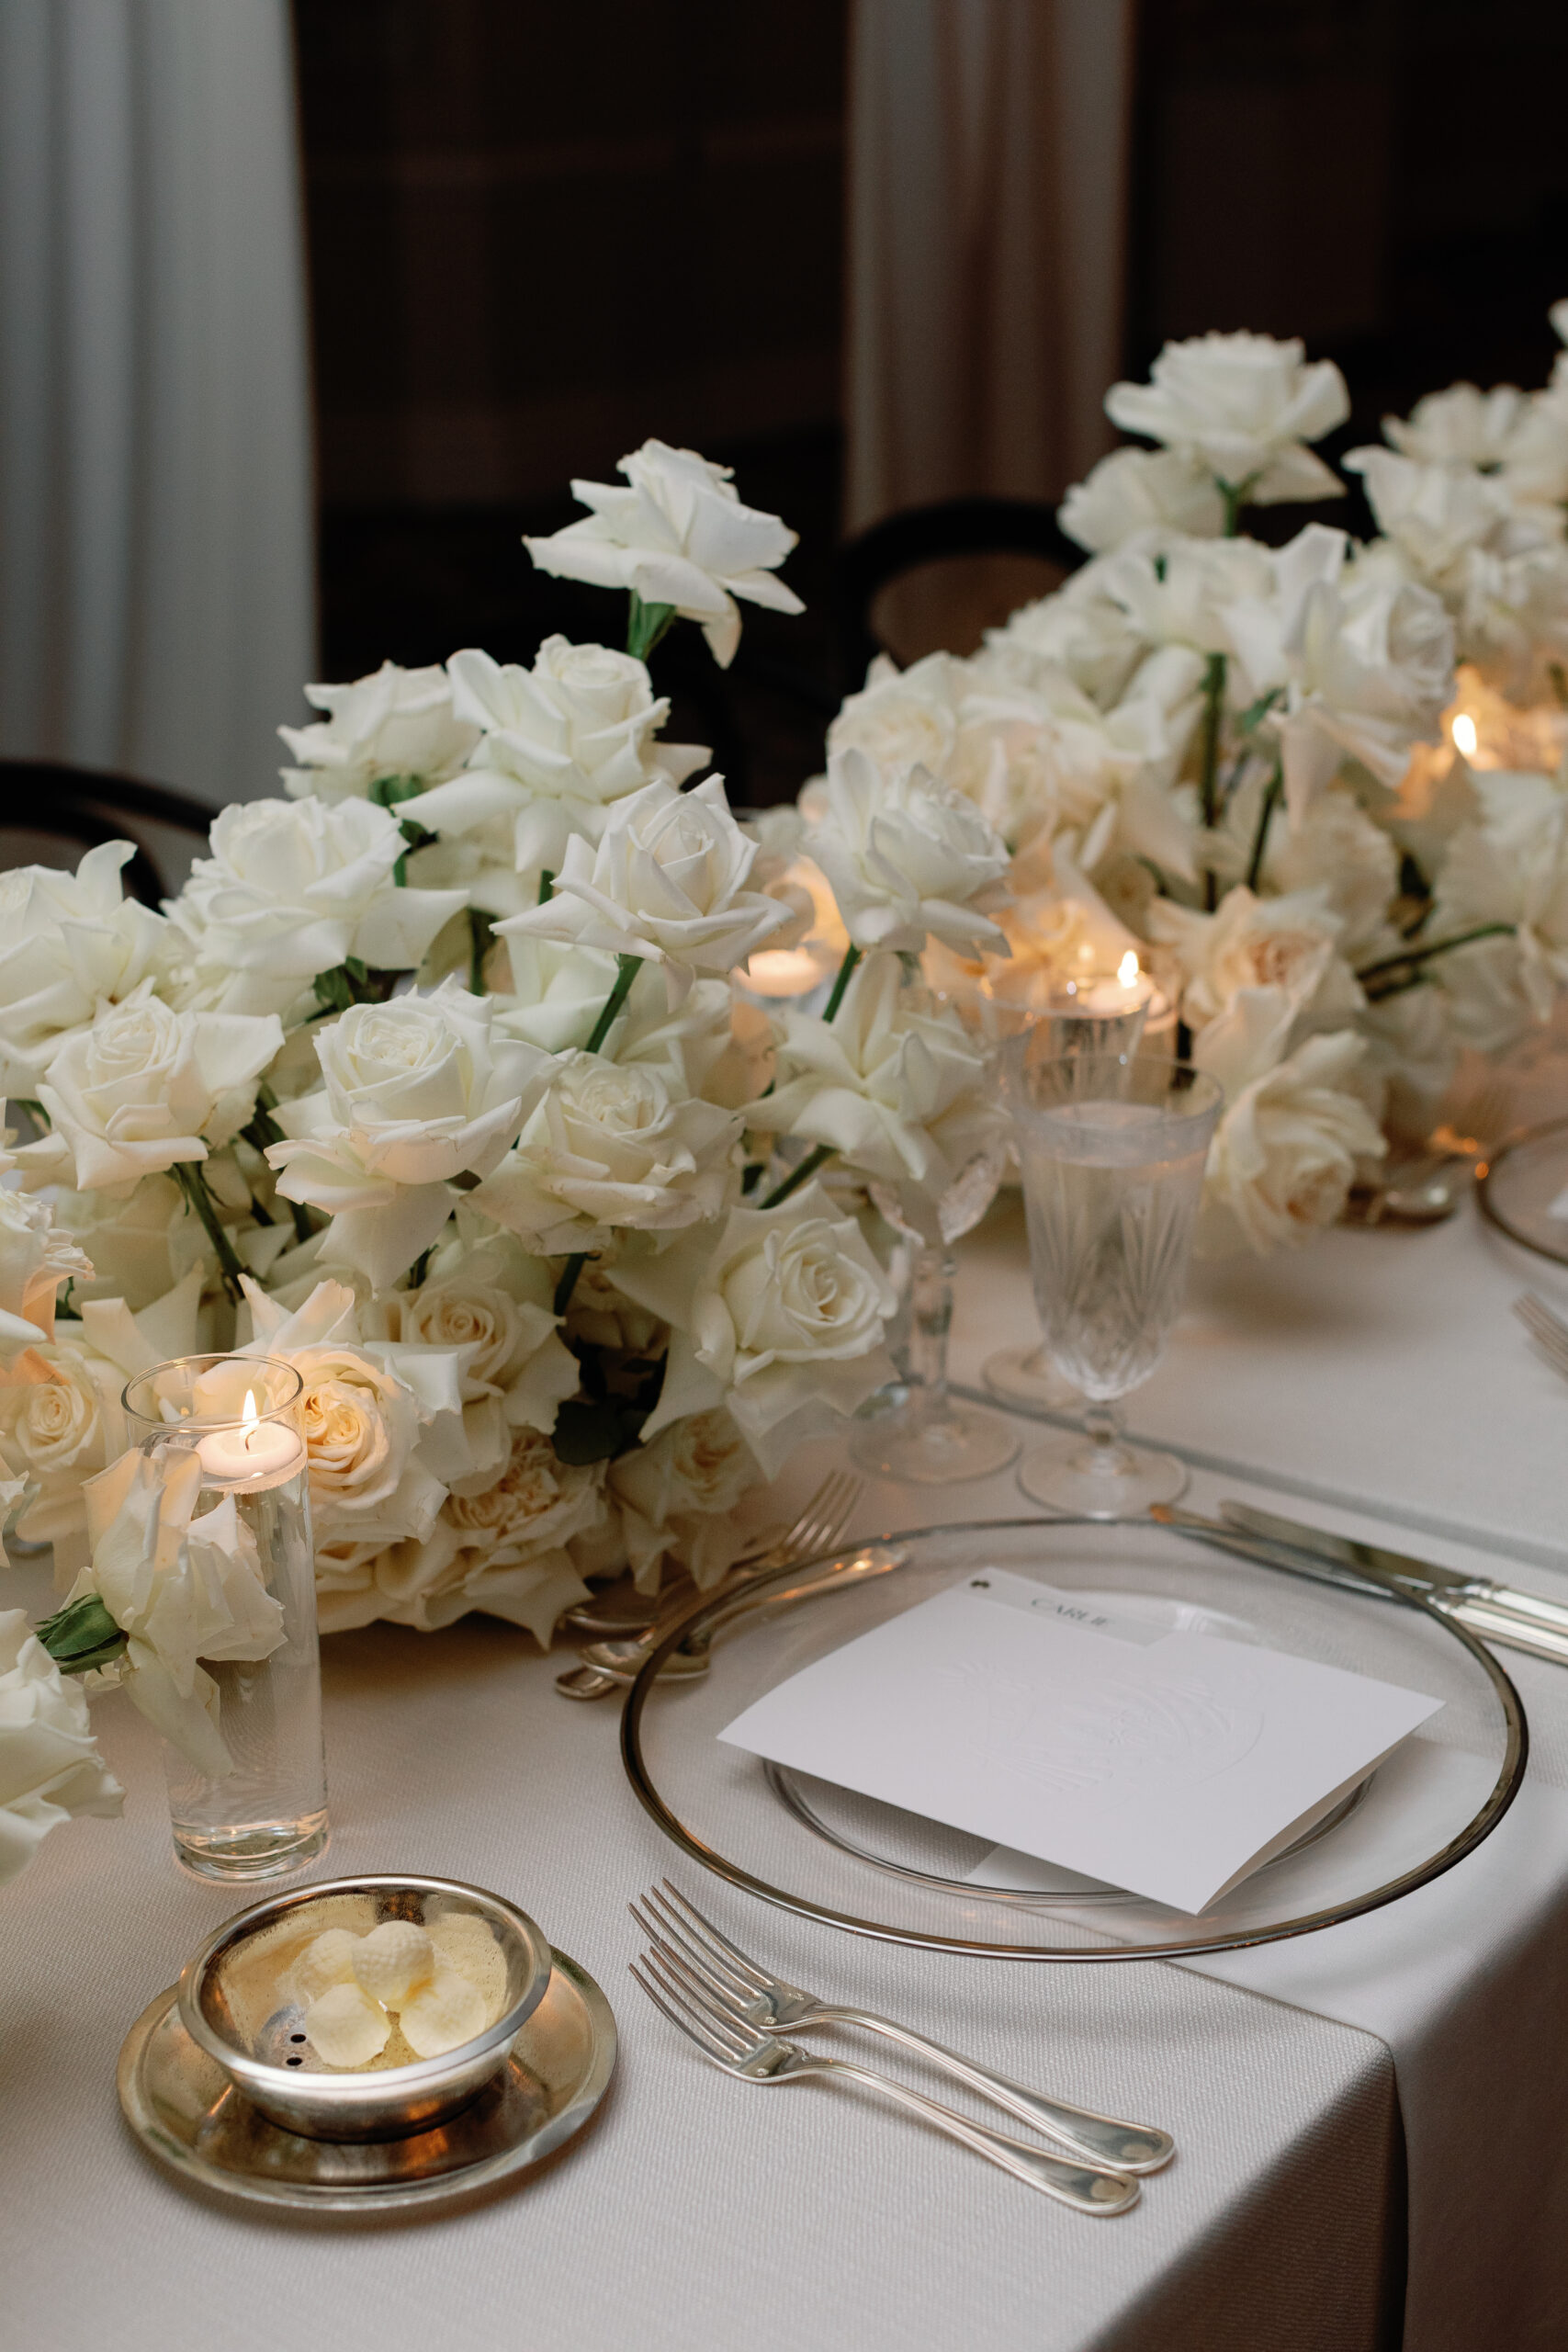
(539, 232)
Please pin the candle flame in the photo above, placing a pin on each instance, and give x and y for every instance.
(1464, 734)
(249, 1415)
(1127, 970)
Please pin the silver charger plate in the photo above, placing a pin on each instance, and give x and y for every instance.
(874, 1870)
(1519, 1184)
(186, 2113)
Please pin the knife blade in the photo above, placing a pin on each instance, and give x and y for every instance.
(1477, 1616)
(1425, 1577)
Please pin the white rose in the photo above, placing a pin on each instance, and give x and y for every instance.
(1245, 404)
(1142, 490)
(781, 1319)
(50, 1769)
(295, 888)
(1460, 426)
(146, 1087)
(491, 1304)
(908, 859)
(895, 1086)
(1286, 1151)
(1338, 850)
(502, 1551)
(611, 1144)
(141, 1243)
(677, 536)
(182, 1587)
(1508, 866)
(903, 718)
(417, 1092)
(1510, 606)
(1432, 513)
(557, 990)
(69, 942)
(36, 1257)
(560, 742)
(1535, 467)
(677, 1497)
(1081, 629)
(1184, 593)
(667, 882)
(396, 726)
(1286, 944)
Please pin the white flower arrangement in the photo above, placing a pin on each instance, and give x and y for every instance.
(440, 1081)
(1320, 787)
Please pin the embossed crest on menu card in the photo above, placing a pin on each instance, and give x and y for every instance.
(1164, 1761)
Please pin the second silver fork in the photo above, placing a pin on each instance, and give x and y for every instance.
(726, 1976)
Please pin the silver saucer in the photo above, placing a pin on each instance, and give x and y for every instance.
(186, 2113)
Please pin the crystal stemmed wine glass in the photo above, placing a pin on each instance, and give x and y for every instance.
(1064, 1018)
(926, 1437)
(1112, 1150)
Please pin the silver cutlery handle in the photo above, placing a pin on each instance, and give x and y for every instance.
(1087, 2188)
(1525, 1608)
(1102, 2139)
(1512, 1631)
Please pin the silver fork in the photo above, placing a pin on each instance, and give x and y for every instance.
(761, 2058)
(609, 1666)
(1548, 1330)
(706, 1960)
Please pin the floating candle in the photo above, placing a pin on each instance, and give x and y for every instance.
(254, 1455)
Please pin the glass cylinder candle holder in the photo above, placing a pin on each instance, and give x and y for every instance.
(241, 1415)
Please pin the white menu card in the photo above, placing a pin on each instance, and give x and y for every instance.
(1168, 1763)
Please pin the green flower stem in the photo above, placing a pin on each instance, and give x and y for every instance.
(566, 1282)
(1235, 496)
(546, 884)
(1271, 792)
(481, 937)
(82, 1636)
(646, 623)
(852, 957)
(799, 1176)
(1209, 760)
(262, 1130)
(626, 969)
(1393, 974)
(193, 1184)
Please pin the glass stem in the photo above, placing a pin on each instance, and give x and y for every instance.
(1104, 1424)
(929, 1324)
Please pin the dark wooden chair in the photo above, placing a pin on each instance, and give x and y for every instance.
(927, 534)
(85, 806)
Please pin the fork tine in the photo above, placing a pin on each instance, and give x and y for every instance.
(662, 1928)
(738, 2039)
(697, 1938)
(709, 2048)
(703, 1986)
(793, 1533)
(715, 1937)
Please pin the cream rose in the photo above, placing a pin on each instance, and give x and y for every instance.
(608, 1144)
(677, 1497)
(908, 859)
(36, 1257)
(51, 1770)
(560, 742)
(1286, 944)
(146, 1087)
(1244, 404)
(361, 1427)
(677, 536)
(295, 888)
(396, 724)
(1287, 1148)
(416, 1092)
(781, 1319)
(667, 882)
(502, 1551)
(1460, 426)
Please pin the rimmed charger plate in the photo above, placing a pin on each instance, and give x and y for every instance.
(1521, 1183)
(185, 2113)
(873, 1870)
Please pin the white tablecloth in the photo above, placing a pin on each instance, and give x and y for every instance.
(705, 2215)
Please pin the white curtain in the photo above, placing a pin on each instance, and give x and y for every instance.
(988, 209)
(156, 558)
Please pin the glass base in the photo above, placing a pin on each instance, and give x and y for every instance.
(262, 1849)
(935, 1448)
(1027, 1376)
(1101, 1478)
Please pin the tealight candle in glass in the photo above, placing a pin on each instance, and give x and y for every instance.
(241, 1415)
